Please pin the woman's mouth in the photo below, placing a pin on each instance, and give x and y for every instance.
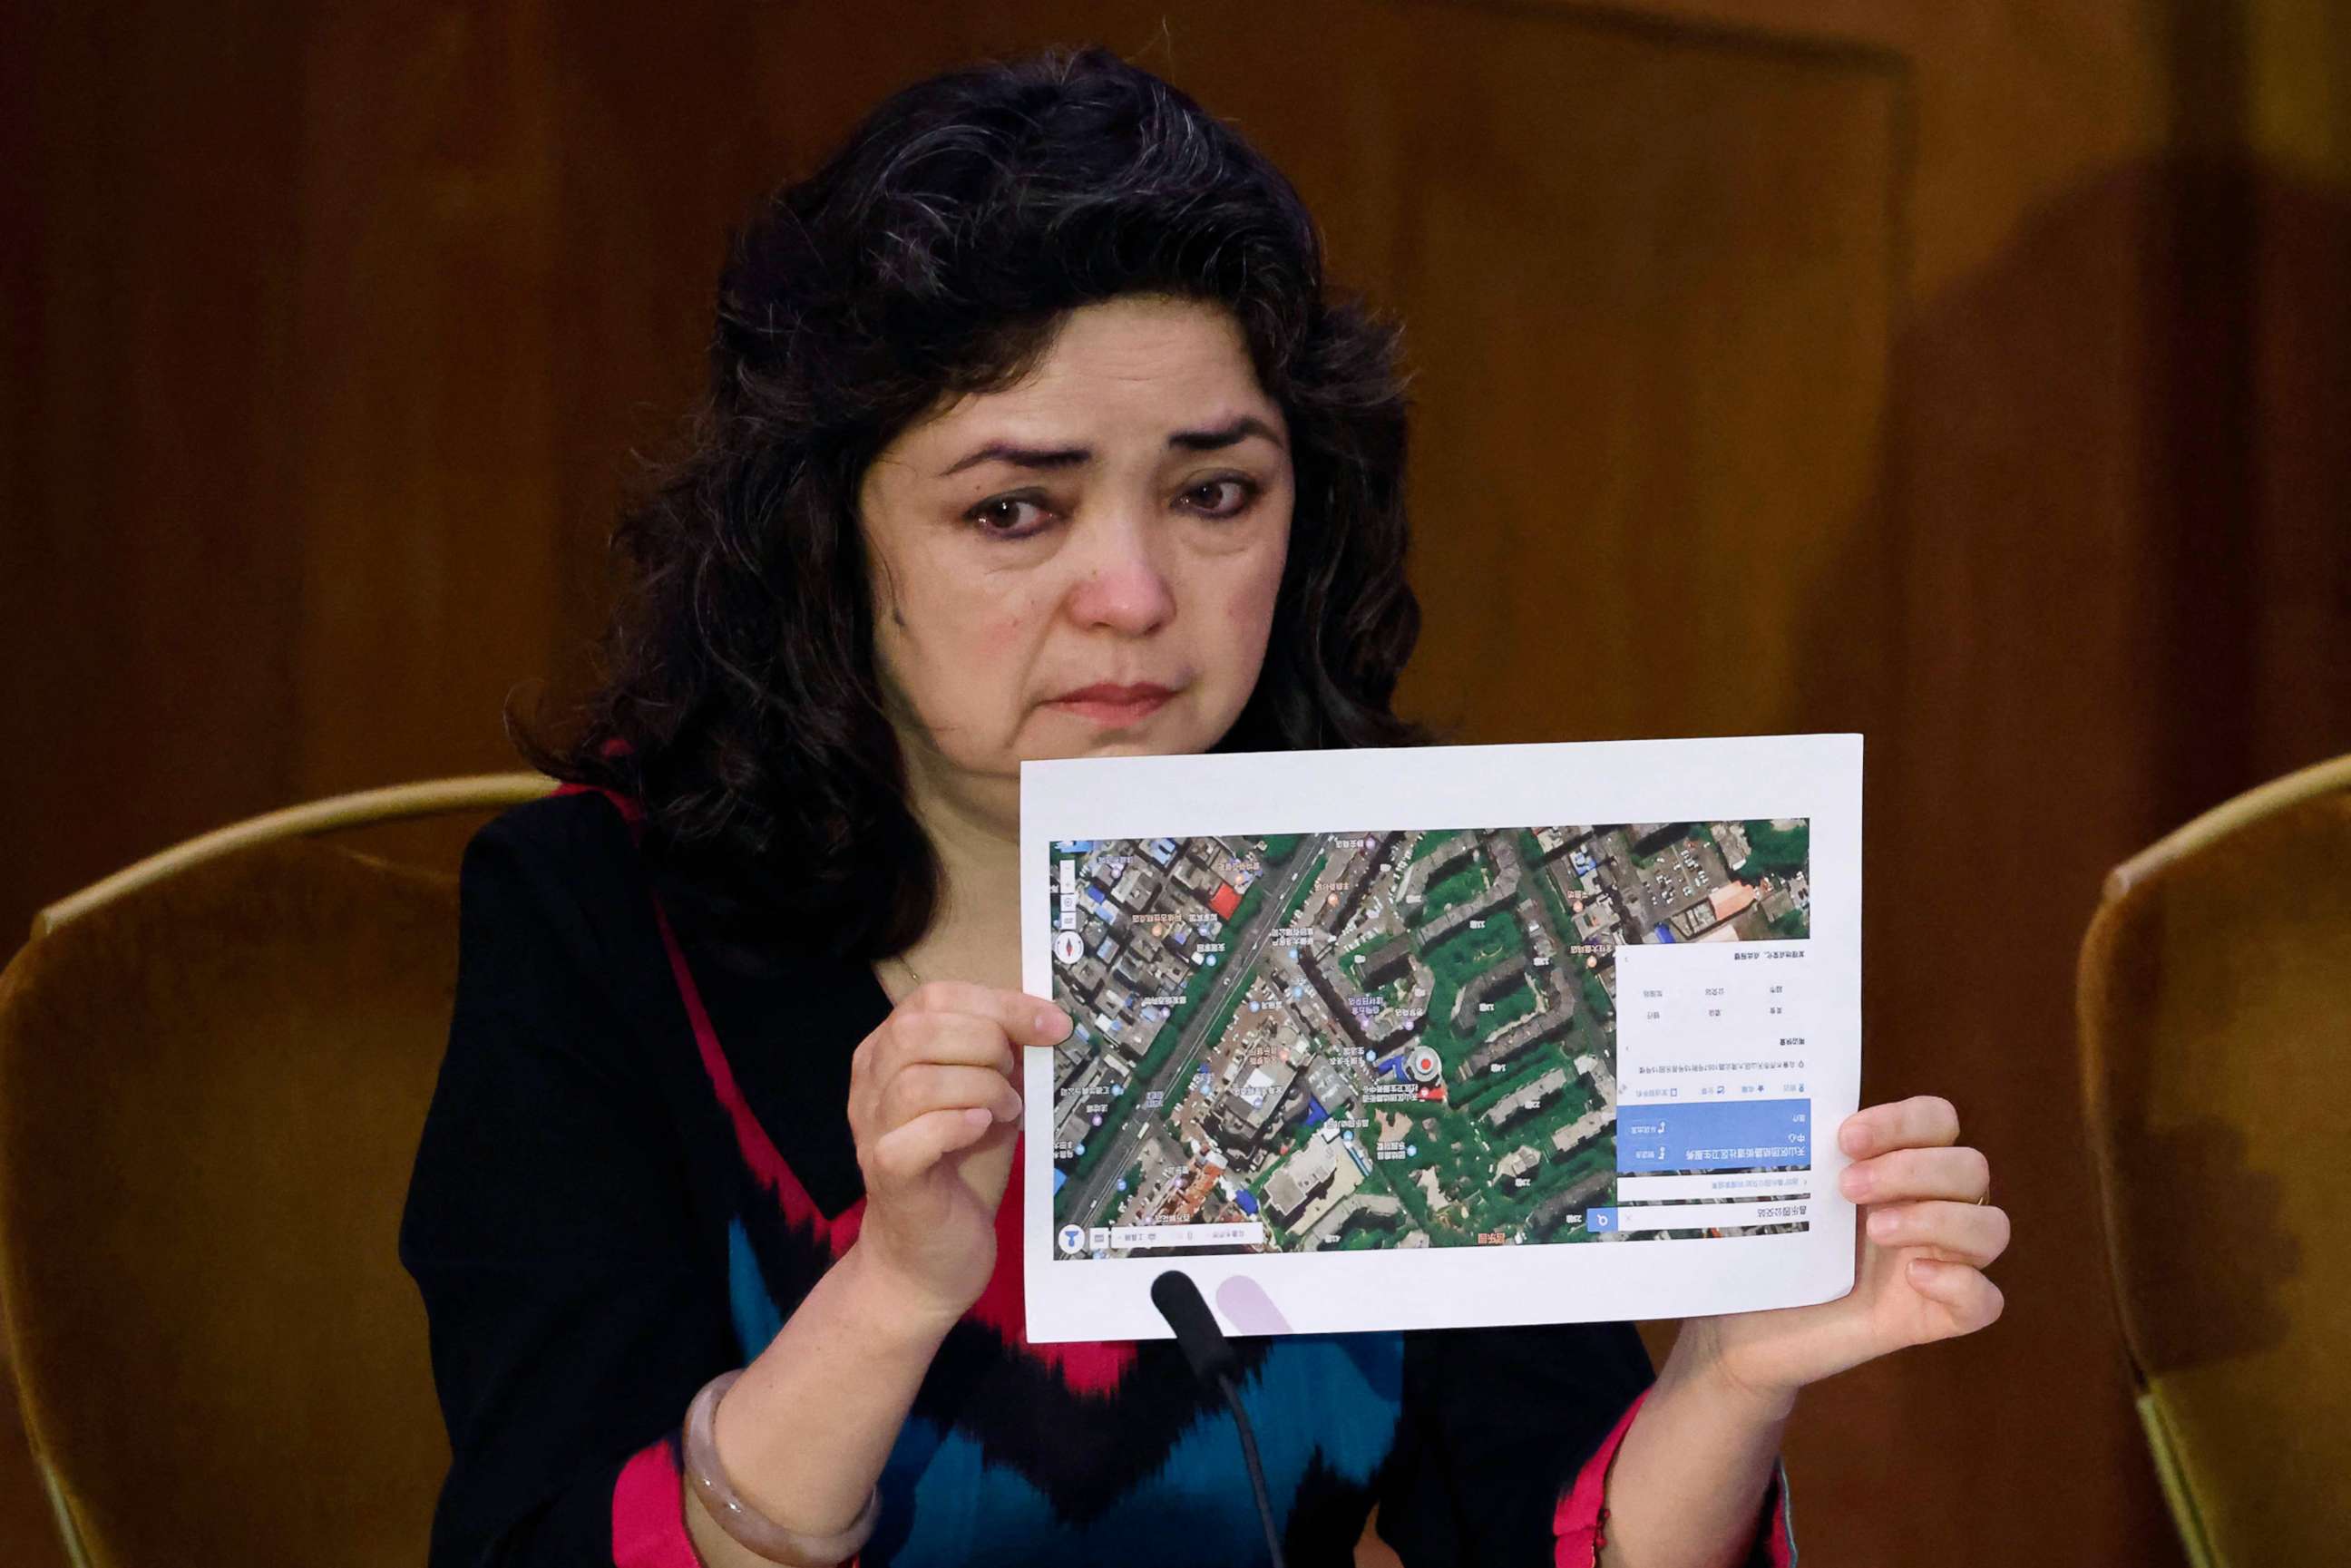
(1114, 706)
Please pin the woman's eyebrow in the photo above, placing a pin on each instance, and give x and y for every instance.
(1226, 434)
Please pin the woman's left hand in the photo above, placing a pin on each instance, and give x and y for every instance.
(1925, 1237)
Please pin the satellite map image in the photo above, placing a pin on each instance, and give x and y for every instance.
(1292, 1043)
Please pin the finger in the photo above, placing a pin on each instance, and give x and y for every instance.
(908, 1150)
(915, 1040)
(1923, 1121)
(1972, 1301)
(1962, 1175)
(1971, 1233)
(963, 1038)
(929, 1086)
(1026, 1019)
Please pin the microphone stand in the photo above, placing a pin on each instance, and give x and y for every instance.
(1213, 1362)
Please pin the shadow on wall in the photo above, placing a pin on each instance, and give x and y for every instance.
(2120, 591)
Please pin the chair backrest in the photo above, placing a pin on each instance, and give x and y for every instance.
(2215, 1012)
(212, 1082)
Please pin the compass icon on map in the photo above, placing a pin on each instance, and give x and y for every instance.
(1067, 946)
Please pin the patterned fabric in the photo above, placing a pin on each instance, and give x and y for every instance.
(636, 1164)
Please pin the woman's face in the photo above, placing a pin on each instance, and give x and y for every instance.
(1085, 563)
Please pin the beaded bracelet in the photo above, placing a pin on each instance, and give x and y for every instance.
(745, 1525)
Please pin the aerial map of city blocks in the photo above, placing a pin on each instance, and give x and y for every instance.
(1293, 1043)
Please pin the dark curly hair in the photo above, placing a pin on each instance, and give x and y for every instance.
(933, 254)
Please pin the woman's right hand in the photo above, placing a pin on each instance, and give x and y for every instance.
(934, 1110)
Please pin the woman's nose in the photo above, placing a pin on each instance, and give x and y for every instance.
(1125, 587)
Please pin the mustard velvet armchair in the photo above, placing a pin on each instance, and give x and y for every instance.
(2215, 1014)
(214, 1068)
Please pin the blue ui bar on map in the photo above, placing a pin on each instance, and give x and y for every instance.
(1714, 1135)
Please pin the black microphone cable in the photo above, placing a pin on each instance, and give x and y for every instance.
(1211, 1354)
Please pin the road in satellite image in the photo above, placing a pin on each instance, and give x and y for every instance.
(1296, 1042)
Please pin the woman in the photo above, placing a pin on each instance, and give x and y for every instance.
(1032, 433)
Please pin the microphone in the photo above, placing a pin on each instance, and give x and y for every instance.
(1214, 1361)
(1203, 1342)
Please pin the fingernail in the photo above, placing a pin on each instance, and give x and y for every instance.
(1014, 1114)
(1881, 1223)
(1853, 1138)
(1854, 1183)
(1053, 1023)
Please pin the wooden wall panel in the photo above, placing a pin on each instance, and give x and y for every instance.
(1650, 283)
(150, 559)
(423, 305)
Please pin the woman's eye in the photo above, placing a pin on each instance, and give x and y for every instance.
(1225, 497)
(1019, 516)
(1003, 517)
